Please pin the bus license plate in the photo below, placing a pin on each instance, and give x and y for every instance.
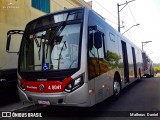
(44, 102)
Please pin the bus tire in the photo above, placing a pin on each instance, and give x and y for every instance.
(116, 87)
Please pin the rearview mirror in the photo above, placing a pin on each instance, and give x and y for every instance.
(8, 42)
(98, 40)
(91, 41)
(9, 34)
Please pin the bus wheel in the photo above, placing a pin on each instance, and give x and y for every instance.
(116, 87)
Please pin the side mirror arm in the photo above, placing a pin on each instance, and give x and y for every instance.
(9, 33)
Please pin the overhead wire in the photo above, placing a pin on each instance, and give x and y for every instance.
(111, 21)
(116, 16)
(133, 16)
(105, 9)
(108, 12)
(134, 20)
(128, 33)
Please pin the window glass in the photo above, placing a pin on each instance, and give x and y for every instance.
(41, 52)
(43, 5)
(96, 56)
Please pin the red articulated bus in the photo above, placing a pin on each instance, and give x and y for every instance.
(74, 58)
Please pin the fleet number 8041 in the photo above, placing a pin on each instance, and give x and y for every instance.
(54, 87)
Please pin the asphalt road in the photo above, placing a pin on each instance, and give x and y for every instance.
(141, 97)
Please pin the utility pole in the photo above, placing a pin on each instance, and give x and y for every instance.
(118, 18)
(118, 5)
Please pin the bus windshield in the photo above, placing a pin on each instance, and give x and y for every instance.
(51, 48)
(41, 52)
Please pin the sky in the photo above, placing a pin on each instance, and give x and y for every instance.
(143, 12)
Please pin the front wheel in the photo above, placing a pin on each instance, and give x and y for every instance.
(116, 87)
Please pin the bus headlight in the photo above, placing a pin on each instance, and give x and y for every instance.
(20, 84)
(74, 84)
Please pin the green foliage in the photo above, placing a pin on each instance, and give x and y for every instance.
(99, 66)
(157, 69)
(112, 58)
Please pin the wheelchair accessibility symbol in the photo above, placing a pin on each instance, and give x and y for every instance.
(46, 66)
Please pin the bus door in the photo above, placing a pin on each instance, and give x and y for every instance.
(125, 62)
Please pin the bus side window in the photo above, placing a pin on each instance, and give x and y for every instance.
(96, 53)
(96, 47)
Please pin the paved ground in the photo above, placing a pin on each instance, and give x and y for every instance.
(141, 97)
(157, 75)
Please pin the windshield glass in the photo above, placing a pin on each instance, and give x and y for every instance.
(54, 48)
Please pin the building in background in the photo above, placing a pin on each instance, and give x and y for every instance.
(15, 14)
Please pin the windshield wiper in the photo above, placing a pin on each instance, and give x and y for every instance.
(40, 49)
(64, 44)
(38, 45)
(47, 37)
(50, 35)
(57, 32)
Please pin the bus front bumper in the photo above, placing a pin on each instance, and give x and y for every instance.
(79, 97)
